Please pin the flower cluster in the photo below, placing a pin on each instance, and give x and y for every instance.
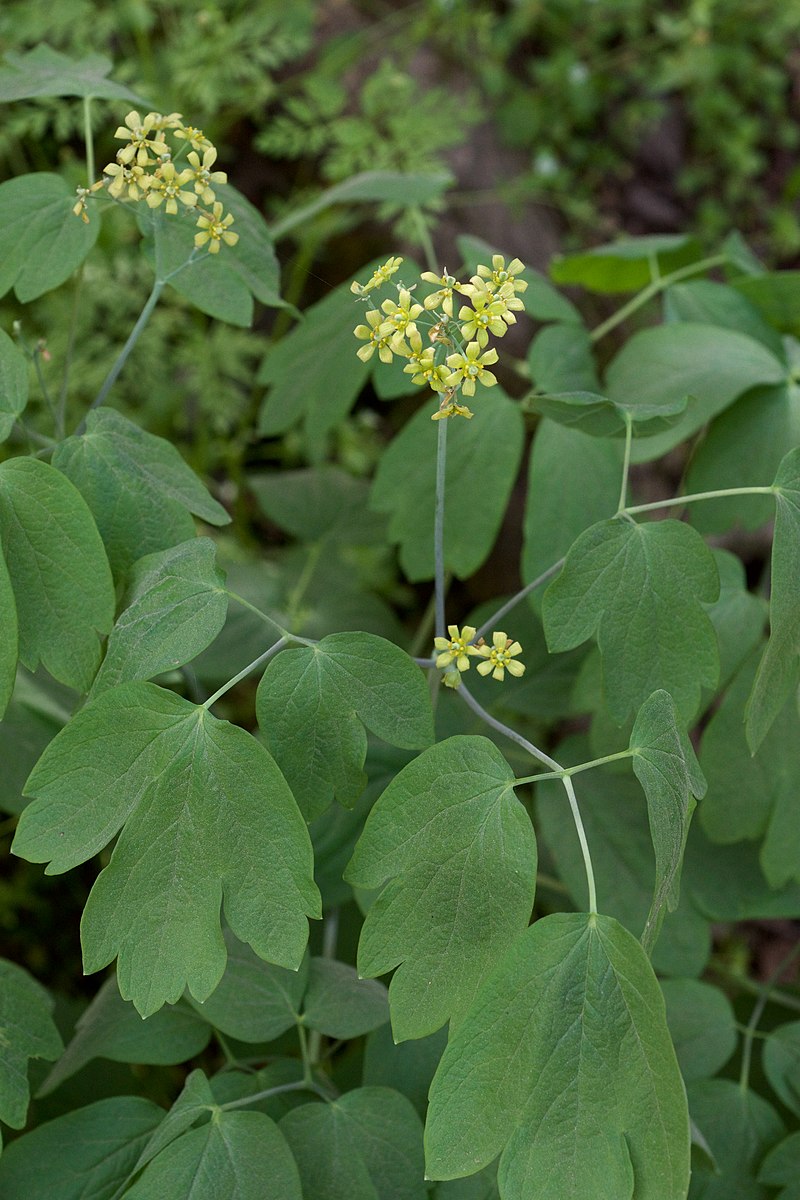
(457, 356)
(145, 169)
(455, 651)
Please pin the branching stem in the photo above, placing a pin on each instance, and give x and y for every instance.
(653, 289)
(758, 1009)
(679, 501)
(245, 671)
(438, 526)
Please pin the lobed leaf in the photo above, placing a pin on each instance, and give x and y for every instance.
(459, 852)
(176, 605)
(41, 240)
(58, 570)
(207, 818)
(601, 417)
(665, 765)
(564, 1066)
(26, 1031)
(340, 1004)
(639, 588)
(740, 1127)
(44, 71)
(702, 1025)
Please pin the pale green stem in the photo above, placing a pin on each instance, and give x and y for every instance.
(301, 1035)
(306, 575)
(424, 632)
(245, 671)
(301, 1085)
(122, 357)
(758, 1009)
(330, 933)
(425, 238)
(438, 526)
(491, 622)
(653, 289)
(37, 363)
(783, 999)
(262, 615)
(587, 766)
(88, 138)
(678, 501)
(587, 858)
(73, 329)
(626, 462)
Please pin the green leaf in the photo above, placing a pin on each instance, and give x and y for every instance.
(405, 485)
(46, 72)
(626, 266)
(9, 643)
(459, 852)
(565, 1064)
(561, 359)
(407, 1066)
(702, 1024)
(322, 502)
(13, 384)
(739, 1127)
(26, 1031)
(59, 571)
(482, 1186)
(254, 1001)
(89, 1152)
(234, 1083)
(398, 187)
(137, 485)
(175, 606)
(600, 417)
(662, 638)
(573, 481)
(782, 1064)
(207, 816)
(726, 883)
(32, 719)
(314, 702)
(542, 301)
(778, 670)
(775, 294)
(365, 1146)
(41, 240)
(618, 833)
(743, 448)
(193, 1103)
(707, 303)
(738, 616)
(112, 1028)
(324, 344)
(253, 258)
(754, 796)
(341, 1005)
(665, 765)
(782, 1167)
(710, 365)
(231, 1157)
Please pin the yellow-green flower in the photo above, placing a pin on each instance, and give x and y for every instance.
(500, 657)
(484, 318)
(443, 298)
(450, 408)
(203, 176)
(379, 277)
(215, 229)
(508, 303)
(79, 207)
(422, 364)
(167, 185)
(195, 137)
(138, 134)
(470, 368)
(163, 121)
(127, 181)
(500, 274)
(456, 648)
(377, 334)
(401, 317)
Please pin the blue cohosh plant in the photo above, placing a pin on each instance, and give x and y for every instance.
(558, 1023)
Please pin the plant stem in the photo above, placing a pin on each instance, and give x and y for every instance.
(122, 358)
(587, 858)
(493, 723)
(88, 138)
(653, 289)
(424, 238)
(677, 501)
(626, 462)
(301, 1085)
(330, 933)
(73, 329)
(568, 771)
(520, 595)
(784, 999)
(758, 1008)
(438, 526)
(245, 671)
(252, 608)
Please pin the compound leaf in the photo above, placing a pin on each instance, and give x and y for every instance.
(26, 1031)
(58, 569)
(137, 485)
(207, 817)
(231, 1157)
(565, 1064)
(405, 485)
(13, 384)
(341, 1005)
(41, 240)
(176, 604)
(459, 852)
(366, 1146)
(665, 765)
(314, 702)
(778, 670)
(93, 1151)
(640, 589)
